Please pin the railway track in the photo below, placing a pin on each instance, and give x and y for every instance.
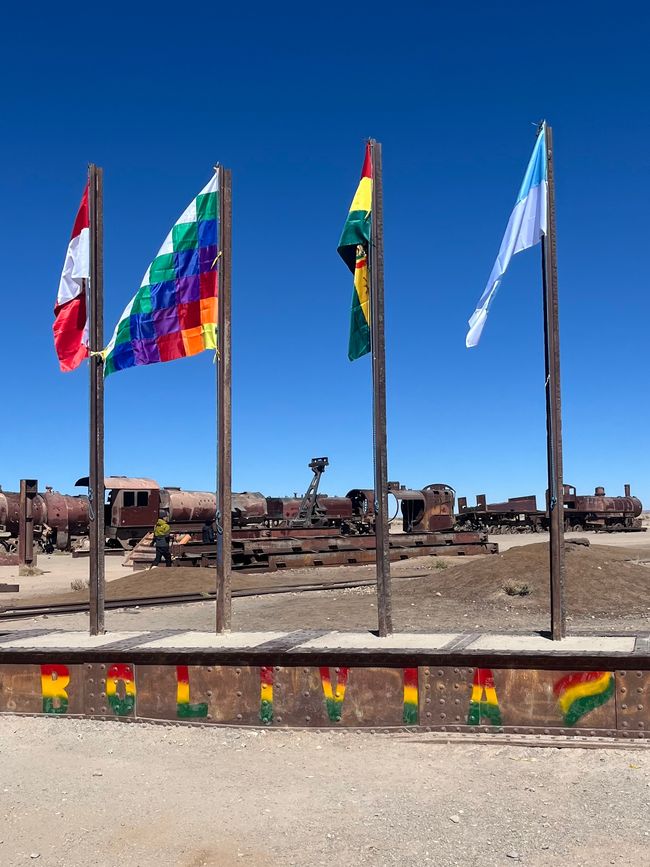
(26, 611)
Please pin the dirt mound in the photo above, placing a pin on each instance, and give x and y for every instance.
(162, 581)
(599, 580)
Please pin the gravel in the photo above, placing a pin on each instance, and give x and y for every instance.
(80, 792)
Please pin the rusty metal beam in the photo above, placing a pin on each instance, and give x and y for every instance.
(553, 404)
(26, 553)
(376, 279)
(96, 368)
(273, 688)
(224, 407)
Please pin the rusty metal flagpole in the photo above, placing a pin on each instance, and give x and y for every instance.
(376, 280)
(224, 407)
(553, 403)
(96, 365)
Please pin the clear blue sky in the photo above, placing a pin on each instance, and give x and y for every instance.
(285, 95)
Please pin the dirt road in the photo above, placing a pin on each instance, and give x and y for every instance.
(81, 793)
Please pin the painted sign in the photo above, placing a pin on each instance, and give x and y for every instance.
(445, 698)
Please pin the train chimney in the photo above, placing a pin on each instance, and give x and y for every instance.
(599, 492)
(627, 491)
(481, 501)
(462, 504)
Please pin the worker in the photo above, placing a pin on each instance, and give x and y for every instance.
(207, 533)
(161, 539)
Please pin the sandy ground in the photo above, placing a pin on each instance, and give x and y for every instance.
(81, 793)
(468, 594)
(59, 570)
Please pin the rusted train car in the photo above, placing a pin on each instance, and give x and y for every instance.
(130, 514)
(521, 514)
(60, 520)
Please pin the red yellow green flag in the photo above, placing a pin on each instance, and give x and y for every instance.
(353, 249)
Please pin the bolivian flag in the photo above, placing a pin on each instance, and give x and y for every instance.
(353, 249)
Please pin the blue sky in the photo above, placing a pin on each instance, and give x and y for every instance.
(285, 95)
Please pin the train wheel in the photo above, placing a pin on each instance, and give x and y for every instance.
(577, 528)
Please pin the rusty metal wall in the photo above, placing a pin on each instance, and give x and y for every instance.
(446, 698)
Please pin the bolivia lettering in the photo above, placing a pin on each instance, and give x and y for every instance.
(54, 679)
(266, 694)
(410, 678)
(120, 673)
(579, 693)
(184, 708)
(334, 698)
(484, 704)
(564, 702)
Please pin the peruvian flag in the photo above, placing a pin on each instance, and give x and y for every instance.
(71, 310)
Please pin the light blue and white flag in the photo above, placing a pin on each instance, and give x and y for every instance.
(525, 228)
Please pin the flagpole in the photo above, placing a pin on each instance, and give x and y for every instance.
(376, 280)
(224, 407)
(553, 404)
(95, 346)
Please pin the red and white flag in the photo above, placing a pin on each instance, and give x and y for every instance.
(71, 310)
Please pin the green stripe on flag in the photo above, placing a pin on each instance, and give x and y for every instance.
(359, 331)
(355, 231)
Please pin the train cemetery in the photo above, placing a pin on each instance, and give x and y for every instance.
(389, 607)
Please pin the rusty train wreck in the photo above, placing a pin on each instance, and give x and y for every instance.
(521, 515)
(269, 532)
(60, 520)
(133, 505)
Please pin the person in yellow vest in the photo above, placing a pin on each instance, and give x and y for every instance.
(161, 540)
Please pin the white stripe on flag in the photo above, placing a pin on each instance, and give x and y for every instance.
(75, 268)
(525, 228)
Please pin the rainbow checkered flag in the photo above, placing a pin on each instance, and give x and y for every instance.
(174, 313)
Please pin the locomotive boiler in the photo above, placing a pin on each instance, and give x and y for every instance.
(581, 512)
(60, 520)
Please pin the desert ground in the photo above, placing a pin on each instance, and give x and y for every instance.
(608, 589)
(81, 792)
(77, 793)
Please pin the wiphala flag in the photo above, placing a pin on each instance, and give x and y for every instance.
(174, 313)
